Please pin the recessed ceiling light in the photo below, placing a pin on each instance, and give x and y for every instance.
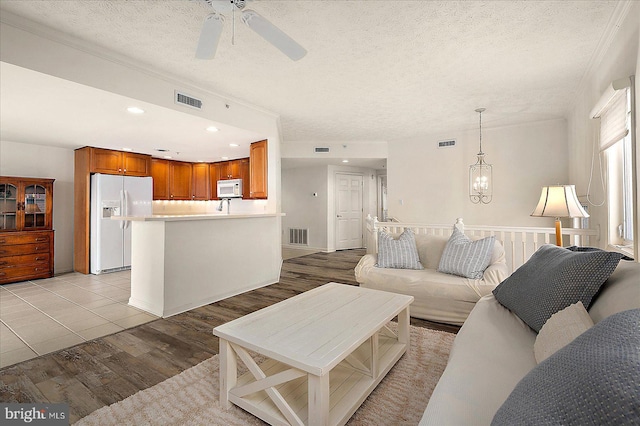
(233, 145)
(135, 110)
(225, 158)
(345, 161)
(212, 129)
(168, 157)
(127, 149)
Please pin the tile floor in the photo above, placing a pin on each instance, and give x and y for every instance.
(42, 316)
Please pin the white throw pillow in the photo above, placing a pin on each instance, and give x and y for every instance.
(560, 330)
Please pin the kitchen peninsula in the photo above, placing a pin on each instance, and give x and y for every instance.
(180, 262)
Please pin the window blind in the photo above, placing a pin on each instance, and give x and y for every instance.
(612, 110)
(613, 120)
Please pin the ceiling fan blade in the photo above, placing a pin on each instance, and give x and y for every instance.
(273, 35)
(210, 36)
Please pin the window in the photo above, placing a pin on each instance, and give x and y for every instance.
(620, 184)
(616, 111)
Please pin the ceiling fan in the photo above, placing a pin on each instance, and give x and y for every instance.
(214, 22)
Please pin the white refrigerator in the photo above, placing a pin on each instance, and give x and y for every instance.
(110, 240)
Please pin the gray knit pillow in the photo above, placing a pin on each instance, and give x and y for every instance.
(554, 278)
(464, 257)
(594, 380)
(398, 253)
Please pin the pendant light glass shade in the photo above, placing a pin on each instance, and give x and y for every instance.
(480, 175)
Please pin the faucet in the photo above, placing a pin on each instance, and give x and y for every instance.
(228, 200)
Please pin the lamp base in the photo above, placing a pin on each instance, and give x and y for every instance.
(558, 233)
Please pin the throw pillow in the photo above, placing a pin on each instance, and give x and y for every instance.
(560, 330)
(398, 253)
(464, 257)
(552, 279)
(593, 380)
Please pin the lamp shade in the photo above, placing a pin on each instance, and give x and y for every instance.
(559, 201)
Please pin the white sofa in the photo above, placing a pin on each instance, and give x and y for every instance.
(438, 297)
(493, 351)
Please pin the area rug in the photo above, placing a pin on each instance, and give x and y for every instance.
(192, 397)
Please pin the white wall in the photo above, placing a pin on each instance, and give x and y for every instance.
(433, 184)
(303, 210)
(26, 160)
(620, 59)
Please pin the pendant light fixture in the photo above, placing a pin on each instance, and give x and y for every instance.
(480, 175)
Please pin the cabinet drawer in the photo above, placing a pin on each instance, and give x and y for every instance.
(19, 249)
(18, 272)
(23, 238)
(25, 259)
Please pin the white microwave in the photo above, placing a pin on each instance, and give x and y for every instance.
(231, 188)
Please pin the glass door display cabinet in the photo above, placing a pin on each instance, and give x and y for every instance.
(26, 234)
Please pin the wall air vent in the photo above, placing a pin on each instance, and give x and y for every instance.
(447, 144)
(187, 100)
(321, 149)
(299, 236)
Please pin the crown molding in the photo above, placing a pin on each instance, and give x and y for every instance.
(616, 20)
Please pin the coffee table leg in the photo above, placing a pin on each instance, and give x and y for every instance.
(318, 400)
(228, 372)
(403, 328)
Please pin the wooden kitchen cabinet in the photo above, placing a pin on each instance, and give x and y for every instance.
(230, 169)
(245, 176)
(214, 177)
(258, 173)
(171, 179)
(179, 180)
(160, 176)
(200, 181)
(118, 162)
(26, 235)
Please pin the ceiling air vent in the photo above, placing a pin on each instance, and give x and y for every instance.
(187, 100)
(321, 149)
(447, 144)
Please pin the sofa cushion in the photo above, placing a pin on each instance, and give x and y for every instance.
(593, 380)
(620, 292)
(400, 253)
(561, 329)
(465, 257)
(552, 279)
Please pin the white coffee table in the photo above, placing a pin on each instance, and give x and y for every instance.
(325, 349)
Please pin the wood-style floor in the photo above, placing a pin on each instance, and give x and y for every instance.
(109, 369)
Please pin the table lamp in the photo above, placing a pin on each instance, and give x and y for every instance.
(559, 201)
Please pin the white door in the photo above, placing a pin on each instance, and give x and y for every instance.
(348, 189)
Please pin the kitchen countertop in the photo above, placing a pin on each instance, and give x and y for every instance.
(184, 217)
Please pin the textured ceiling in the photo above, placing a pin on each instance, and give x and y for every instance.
(376, 70)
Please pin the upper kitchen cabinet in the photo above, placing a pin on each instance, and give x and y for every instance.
(179, 180)
(230, 169)
(120, 163)
(200, 181)
(171, 180)
(214, 177)
(258, 173)
(160, 175)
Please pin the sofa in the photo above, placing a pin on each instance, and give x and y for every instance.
(437, 296)
(492, 363)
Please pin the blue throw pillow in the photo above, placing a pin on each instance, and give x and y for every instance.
(554, 278)
(594, 380)
(465, 257)
(400, 253)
